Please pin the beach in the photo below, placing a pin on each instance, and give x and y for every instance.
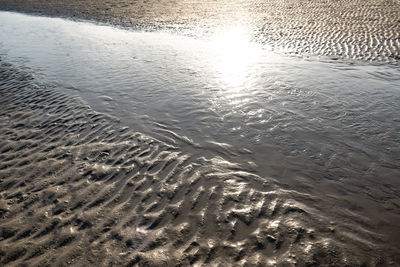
(368, 30)
(141, 134)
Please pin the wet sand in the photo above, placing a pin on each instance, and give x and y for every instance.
(356, 29)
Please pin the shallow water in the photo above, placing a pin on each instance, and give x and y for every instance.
(226, 90)
(322, 127)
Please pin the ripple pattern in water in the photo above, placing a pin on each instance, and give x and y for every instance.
(337, 119)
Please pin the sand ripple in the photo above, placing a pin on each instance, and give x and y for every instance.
(77, 187)
(356, 29)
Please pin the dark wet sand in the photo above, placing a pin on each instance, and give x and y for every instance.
(356, 29)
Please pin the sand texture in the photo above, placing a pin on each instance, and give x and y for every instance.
(355, 29)
(78, 188)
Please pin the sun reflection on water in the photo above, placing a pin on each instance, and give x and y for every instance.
(234, 55)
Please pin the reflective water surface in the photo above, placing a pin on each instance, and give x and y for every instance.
(328, 128)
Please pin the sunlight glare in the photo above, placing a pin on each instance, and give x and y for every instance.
(235, 54)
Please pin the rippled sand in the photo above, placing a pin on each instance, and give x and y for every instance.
(355, 29)
(77, 187)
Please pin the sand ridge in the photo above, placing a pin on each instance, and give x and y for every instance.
(78, 188)
(356, 29)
